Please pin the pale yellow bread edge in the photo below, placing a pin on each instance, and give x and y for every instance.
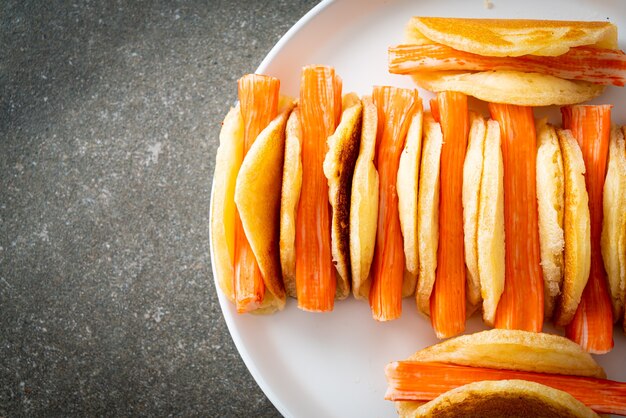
(290, 195)
(364, 204)
(550, 207)
(428, 212)
(577, 228)
(472, 172)
(227, 163)
(490, 234)
(511, 87)
(407, 187)
(614, 221)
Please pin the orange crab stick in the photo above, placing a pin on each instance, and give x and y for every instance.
(396, 108)
(601, 66)
(592, 326)
(258, 98)
(424, 381)
(521, 304)
(320, 109)
(447, 301)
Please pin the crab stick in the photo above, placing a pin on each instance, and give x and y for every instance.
(424, 381)
(396, 108)
(592, 326)
(447, 301)
(600, 66)
(521, 305)
(258, 97)
(320, 110)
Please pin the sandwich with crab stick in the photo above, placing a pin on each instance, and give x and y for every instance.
(513, 61)
(503, 373)
(323, 136)
(244, 211)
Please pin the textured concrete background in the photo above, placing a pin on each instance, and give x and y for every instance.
(109, 118)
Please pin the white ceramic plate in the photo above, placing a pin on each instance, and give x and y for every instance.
(331, 365)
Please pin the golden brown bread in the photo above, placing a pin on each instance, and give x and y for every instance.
(503, 398)
(258, 202)
(513, 37)
(290, 195)
(577, 230)
(428, 212)
(510, 38)
(472, 172)
(614, 221)
(407, 187)
(339, 162)
(550, 205)
(227, 163)
(364, 204)
(491, 240)
(513, 87)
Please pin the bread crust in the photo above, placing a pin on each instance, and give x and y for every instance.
(577, 230)
(428, 212)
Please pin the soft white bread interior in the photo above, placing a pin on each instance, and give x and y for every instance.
(364, 204)
(550, 205)
(577, 230)
(428, 212)
(490, 234)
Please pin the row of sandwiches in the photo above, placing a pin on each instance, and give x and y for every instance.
(333, 194)
(375, 196)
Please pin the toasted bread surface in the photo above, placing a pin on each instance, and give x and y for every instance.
(577, 229)
(290, 195)
(364, 204)
(514, 37)
(258, 197)
(551, 205)
(614, 221)
(227, 163)
(343, 149)
(490, 232)
(504, 398)
(428, 212)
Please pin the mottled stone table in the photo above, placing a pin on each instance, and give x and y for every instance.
(109, 118)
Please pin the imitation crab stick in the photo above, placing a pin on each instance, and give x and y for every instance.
(320, 110)
(396, 108)
(447, 301)
(592, 326)
(601, 66)
(258, 97)
(521, 305)
(424, 381)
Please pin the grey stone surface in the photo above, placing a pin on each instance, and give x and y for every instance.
(109, 118)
